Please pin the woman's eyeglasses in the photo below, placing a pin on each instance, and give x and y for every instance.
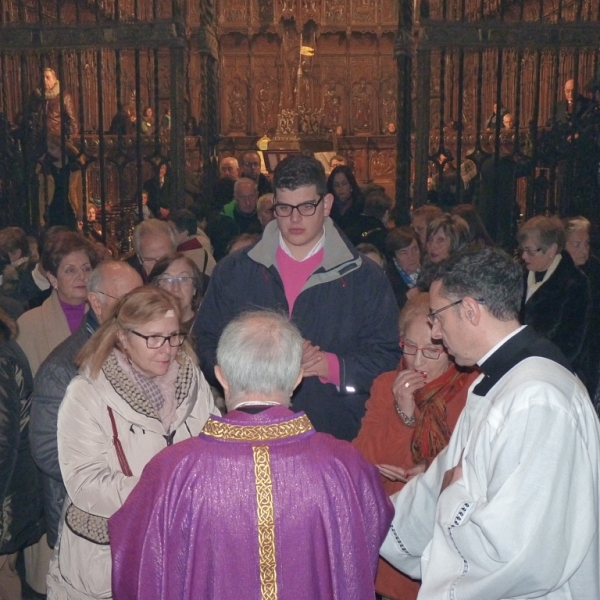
(158, 341)
(411, 349)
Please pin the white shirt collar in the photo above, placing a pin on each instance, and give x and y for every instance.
(314, 250)
(500, 343)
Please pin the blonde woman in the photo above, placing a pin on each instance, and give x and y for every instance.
(139, 391)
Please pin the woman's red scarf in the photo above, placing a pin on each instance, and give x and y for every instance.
(431, 434)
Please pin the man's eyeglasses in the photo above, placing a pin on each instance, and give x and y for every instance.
(529, 251)
(253, 165)
(411, 349)
(306, 209)
(158, 341)
(169, 281)
(432, 317)
(105, 294)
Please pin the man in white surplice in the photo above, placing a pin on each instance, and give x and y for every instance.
(510, 509)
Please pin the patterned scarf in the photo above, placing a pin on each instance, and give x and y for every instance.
(431, 433)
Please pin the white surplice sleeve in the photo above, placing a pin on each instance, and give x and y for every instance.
(524, 518)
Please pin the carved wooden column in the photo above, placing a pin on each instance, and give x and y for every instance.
(403, 54)
(423, 123)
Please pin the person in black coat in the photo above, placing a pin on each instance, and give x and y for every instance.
(348, 200)
(371, 226)
(577, 244)
(404, 262)
(557, 296)
(22, 522)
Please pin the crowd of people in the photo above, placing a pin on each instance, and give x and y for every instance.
(285, 396)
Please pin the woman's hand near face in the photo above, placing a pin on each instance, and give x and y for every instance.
(405, 385)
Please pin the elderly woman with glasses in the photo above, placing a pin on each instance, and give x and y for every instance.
(557, 296)
(139, 391)
(410, 416)
(178, 274)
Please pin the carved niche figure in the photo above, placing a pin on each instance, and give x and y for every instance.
(237, 106)
(361, 102)
(288, 7)
(236, 11)
(265, 101)
(289, 58)
(310, 6)
(332, 103)
(305, 84)
(382, 164)
(265, 11)
(335, 10)
(388, 107)
(364, 10)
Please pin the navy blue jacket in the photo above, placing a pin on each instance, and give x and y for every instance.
(346, 307)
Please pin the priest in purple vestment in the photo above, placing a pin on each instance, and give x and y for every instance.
(259, 506)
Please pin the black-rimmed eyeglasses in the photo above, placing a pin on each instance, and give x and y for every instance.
(432, 317)
(306, 209)
(158, 341)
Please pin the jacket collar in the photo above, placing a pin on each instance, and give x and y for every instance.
(338, 257)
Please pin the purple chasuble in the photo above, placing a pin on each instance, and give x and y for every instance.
(258, 506)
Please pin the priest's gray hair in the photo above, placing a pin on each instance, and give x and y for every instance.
(260, 352)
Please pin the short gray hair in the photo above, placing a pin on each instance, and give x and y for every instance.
(152, 227)
(260, 352)
(547, 230)
(242, 181)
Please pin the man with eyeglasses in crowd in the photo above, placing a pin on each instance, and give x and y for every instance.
(510, 509)
(109, 282)
(342, 304)
(251, 165)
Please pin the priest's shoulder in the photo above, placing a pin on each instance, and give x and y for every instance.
(339, 451)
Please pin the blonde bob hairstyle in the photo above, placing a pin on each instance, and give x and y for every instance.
(140, 306)
(416, 307)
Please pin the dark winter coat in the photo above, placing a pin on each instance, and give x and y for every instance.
(346, 307)
(559, 309)
(21, 516)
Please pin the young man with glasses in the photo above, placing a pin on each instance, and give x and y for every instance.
(510, 509)
(342, 304)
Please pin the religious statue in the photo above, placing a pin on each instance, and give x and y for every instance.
(332, 102)
(288, 7)
(265, 105)
(389, 107)
(237, 107)
(335, 10)
(48, 119)
(290, 57)
(361, 101)
(305, 84)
